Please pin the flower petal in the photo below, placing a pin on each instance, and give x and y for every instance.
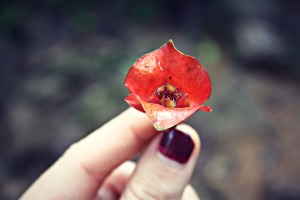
(205, 108)
(168, 65)
(134, 101)
(161, 117)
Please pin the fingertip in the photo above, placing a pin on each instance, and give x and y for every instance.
(115, 183)
(135, 113)
(190, 193)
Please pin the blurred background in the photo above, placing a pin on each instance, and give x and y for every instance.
(63, 63)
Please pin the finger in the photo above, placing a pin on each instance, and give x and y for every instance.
(115, 183)
(115, 142)
(166, 166)
(190, 193)
(80, 171)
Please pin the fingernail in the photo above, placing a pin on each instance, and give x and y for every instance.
(176, 145)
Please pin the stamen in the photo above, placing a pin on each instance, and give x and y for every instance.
(169, 96)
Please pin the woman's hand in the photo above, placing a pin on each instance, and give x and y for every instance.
(97, 166)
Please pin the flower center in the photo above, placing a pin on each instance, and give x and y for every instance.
(170, 96)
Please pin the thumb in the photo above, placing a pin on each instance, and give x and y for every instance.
(165, 168)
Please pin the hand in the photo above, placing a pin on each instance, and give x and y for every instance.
(96, 167)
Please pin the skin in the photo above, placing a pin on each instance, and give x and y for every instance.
(97, 166)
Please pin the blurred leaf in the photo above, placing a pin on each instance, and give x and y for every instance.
(209, 52)
(83, 20)
(46, 87)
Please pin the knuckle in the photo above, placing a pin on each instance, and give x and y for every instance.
(142, 192)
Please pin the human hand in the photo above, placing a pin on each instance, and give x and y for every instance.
(97, 166)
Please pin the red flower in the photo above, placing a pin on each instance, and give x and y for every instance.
(168, 85)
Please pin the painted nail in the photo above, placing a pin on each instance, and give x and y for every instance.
(176, 145)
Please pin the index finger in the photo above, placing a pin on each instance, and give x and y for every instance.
(81, 170)
(118, 140)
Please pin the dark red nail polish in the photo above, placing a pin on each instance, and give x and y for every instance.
(176, 145)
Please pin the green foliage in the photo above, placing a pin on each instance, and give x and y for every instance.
(209, 52)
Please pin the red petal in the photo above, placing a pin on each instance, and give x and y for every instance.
(168, 65)
(134, 101)
(162, 117)
(205, 108)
